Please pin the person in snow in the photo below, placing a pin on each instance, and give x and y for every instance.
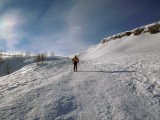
(75, 61)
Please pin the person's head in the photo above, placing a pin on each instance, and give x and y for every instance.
(75, 56)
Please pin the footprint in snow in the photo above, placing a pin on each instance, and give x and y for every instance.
(150, 88)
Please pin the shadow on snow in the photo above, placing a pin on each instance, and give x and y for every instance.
(110, 71)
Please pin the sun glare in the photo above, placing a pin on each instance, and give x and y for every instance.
(7, 23)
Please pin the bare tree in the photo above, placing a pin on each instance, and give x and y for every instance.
(21, 54)
(38, 58)
(52, 54)
(1, 57)
(28, 54)
(45, 55)
(42, 57)
(7, 69)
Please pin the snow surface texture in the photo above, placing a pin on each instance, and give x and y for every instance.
(117, 80)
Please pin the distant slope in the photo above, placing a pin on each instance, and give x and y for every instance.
(13, 64)
(139, 40)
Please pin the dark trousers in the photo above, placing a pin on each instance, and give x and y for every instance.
(75, 66)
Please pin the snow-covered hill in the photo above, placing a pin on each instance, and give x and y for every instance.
(11, 64)
(117, 80)
(139, 40)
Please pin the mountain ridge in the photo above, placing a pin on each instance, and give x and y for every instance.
(152, 28)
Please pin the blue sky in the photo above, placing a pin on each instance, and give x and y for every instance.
(69, 26)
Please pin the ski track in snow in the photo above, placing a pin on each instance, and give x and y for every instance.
(124, 88)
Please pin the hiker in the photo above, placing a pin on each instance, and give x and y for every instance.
(75, 60)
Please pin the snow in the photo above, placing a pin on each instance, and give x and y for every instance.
(144, 43)
(117, 80)
(14, 64)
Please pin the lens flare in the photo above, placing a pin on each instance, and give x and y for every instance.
(6, 24)
(9, 28)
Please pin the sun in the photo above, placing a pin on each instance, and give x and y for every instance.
(7, 22)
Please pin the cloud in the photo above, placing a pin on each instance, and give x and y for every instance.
(10, 23)
(89, 21)
(62, 43)
(52, 31)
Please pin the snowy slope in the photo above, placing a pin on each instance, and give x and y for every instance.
(117, 80)
(143, 43)
(12, 64)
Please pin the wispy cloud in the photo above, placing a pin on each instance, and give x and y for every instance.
(10, 24)
(53, 32)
